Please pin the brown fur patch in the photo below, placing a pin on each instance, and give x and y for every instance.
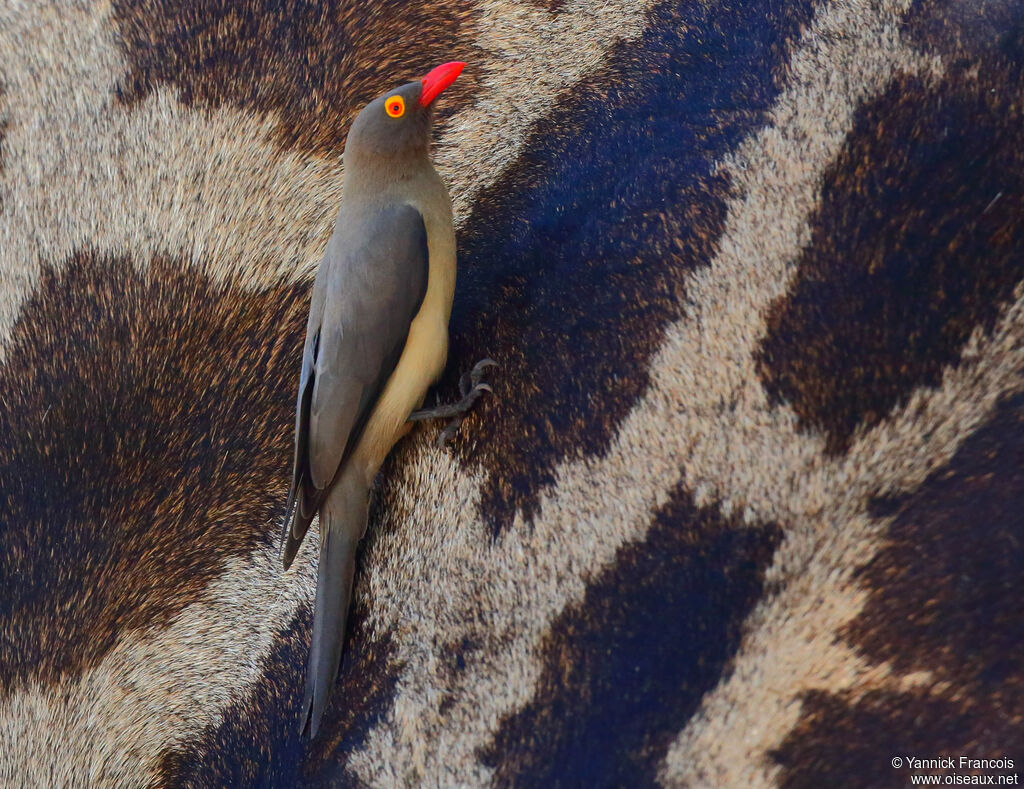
(626, 668)
(942, 600)
(941, 596)
(551, 6)
(144, 440)
(258, 743)
(850, 743)
(313, 64)
(965, 33)
(917, 241)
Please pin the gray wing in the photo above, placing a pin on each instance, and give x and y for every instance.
(365, 298)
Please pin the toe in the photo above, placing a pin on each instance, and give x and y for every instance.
(478, 370)
(448, 433)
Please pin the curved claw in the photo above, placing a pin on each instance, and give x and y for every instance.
(465, 384)
(478, 369)
(449, 431)
(472, 378)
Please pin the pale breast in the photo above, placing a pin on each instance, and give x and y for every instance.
(426, 348)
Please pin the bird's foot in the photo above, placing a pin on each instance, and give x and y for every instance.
(470, 389)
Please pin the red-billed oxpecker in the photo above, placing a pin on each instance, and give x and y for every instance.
(377, 338)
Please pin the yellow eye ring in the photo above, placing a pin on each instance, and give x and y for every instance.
(395, 106)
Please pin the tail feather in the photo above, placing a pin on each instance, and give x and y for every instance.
(342, 523)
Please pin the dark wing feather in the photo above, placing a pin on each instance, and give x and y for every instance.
(303, 498)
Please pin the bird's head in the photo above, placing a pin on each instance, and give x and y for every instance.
(397, 123)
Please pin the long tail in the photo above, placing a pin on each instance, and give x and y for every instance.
(342, 523)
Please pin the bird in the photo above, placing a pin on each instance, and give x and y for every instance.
(376, 340)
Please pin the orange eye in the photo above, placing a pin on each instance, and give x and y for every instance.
(395, 106)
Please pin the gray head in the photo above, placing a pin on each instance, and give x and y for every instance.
(396, 125)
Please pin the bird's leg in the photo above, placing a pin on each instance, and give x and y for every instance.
(470, 389)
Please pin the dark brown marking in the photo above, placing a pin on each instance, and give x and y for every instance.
(943, 593)
(917, 242)
(626, 668)
(574, 262)
(313, 65)
(258, 742)
(849, 743)
(985, 32)
(145, 440)
(944, 599)
(551, 6)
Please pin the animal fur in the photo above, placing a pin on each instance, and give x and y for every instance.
(745, 509)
